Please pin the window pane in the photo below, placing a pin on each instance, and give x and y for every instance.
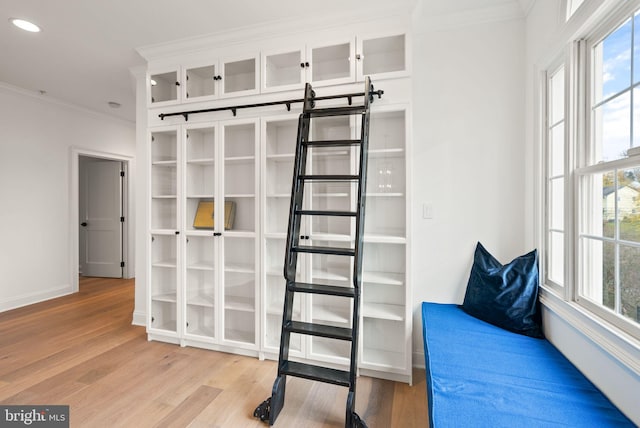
(636, 116)
(636, 48)
(555, 260)
(612, 63)
(630, 282)
(556, 95)
(598, 272)
(597, 205)
(557, 203)
(556, 151)
(612, 129)
(627, 196)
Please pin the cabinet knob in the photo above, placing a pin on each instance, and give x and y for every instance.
(177, 232)
(177, 83)
(217, 234)
(83, 224)
(306, 64)
(302, 65)
(358, 57)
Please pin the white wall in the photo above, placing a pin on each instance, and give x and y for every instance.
(36, 140)
(469, 155)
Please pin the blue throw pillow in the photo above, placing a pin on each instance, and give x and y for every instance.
(505, 295)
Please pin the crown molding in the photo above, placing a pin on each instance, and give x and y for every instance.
(44, 98)
(506, 11)
(268, 30)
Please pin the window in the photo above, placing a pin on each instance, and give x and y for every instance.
(555, 179)
(608, 180)
(591, 178)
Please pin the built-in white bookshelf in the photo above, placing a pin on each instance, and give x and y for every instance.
(221, 286)
(385, 289)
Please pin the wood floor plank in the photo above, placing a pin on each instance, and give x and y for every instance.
(191, 407)
(81, 350)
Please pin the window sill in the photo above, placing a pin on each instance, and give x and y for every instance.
(618, 344)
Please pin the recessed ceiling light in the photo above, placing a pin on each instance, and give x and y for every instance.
(25, 25)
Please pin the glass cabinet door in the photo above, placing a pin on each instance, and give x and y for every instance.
(283, 70)
(386, 180)
(200, 177)
(385, 313)
(164, 87)
(200, 286)
(201, 82)
(332, 64)
(382, 56)
(164, 180)
(164, 283)
(239, 77)
(239, 231)
(279, 136)
(201, 256)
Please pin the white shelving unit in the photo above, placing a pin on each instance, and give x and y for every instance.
(386, 293)
(222, 288)
(335, 62)
(205, 80)
(204, 278)
(385, 326)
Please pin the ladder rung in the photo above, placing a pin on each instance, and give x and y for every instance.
(336, 111)
(327, 213)
(328, 290)
(320, 330)
(329, 177)
(332, 143)
(322, 374)
(324, 250)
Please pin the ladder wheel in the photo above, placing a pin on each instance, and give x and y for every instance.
(357, 422)
(263, 411)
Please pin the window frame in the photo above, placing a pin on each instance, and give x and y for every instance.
(557, 66)
(579, 134)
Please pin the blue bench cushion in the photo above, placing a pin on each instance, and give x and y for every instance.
(479, 375)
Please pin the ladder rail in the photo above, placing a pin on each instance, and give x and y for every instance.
(359, 247)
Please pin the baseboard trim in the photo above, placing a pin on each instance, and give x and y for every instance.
(418, 360)
(139, 318)
(31, 298)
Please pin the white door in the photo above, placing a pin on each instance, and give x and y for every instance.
(100, 199)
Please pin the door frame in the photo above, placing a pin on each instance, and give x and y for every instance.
(74, 212)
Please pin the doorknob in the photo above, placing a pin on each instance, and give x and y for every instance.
(83, 224)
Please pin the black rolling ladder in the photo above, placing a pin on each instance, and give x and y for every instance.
(269, 410)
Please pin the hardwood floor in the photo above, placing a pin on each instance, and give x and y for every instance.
(81, 350)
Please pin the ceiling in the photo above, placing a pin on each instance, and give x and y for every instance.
(86, 48)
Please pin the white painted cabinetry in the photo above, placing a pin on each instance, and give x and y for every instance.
(222, 288)
(386, 316)
(326, 63)
(204, 277)
(204, 80)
